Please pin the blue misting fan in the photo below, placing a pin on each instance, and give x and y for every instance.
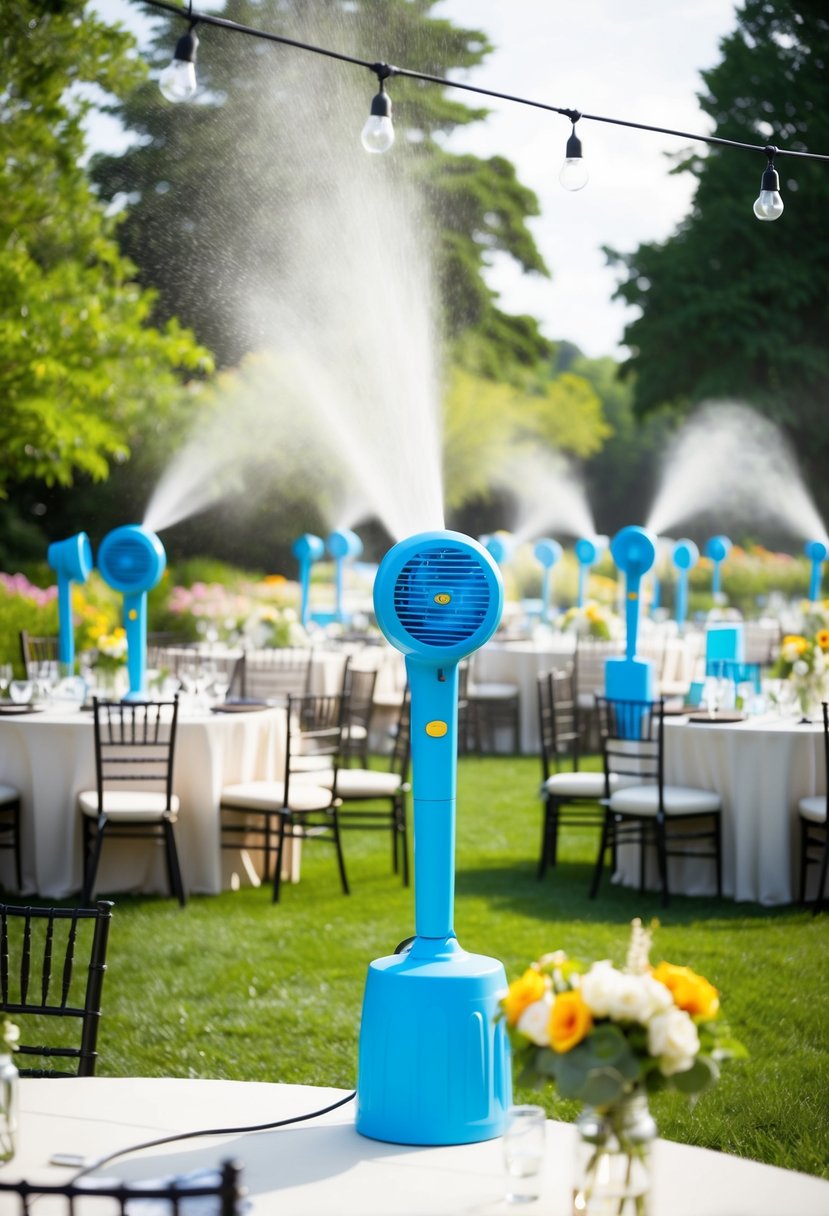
(342, 544)
(71, 559)
(132, 560)
(434, 1064)
(307, 549)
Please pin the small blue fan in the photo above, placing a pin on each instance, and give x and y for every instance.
(547, 552)
(307, 549)
(629, 678)
(717, 548)
(816, 551)
(685, 557)
(71, 559)
(132, 560)
(342, 545)
(434, 1065)
(588, 550)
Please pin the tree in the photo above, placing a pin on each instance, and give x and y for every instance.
(81, 367)
(221, 194)
(732, 307)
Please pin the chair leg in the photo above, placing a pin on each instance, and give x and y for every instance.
(718, 857)
(662, 863)
(824, 867)
(173, 867)
(608, 832)
(804, 834)
(92, 856)
(284, 820)
(402, 835)
(339, 847)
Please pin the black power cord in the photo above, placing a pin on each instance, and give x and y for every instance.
(210, 1131)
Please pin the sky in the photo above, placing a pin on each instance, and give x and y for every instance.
(639, 60)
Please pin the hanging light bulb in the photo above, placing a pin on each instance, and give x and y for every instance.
(574, 173)
(178, 80)
(378, 132)
(768, 204)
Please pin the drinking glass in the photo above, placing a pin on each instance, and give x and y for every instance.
(6, 673)
(21, 691)
(524, 1153)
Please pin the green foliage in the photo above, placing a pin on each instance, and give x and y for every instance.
(21, 611)
(217, 190)
(80, 365)
(732, 307)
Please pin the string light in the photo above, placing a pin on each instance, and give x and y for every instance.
(768, 204)
(178, 80)
(378, 132)
(574, 174)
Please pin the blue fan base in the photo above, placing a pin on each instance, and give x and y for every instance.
(434, 1064)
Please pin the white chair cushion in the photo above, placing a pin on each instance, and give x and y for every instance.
(129, 806)
(270, 796)
(678, 800)
(7, 794)
(813, 808)
(355, 732)
(576, 785)
(353, 783)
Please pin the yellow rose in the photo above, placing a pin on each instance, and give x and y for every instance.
(690, 991)
(794, 641)
(524, 991)
(570, 1021)
(822, 638)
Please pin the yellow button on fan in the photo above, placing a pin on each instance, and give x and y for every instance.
(443, 597)
(436, 729)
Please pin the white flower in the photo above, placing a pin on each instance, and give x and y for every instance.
(800, 668)
(599, 986)
(535, 1021)
(9, 1033)
(631, 999)
(673, 1040)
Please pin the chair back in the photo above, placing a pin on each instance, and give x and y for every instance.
(558, 718)
(401, 752)
(590, 659)
(315, 728)
(358, 692)
(274, 675)
(135, 745)
(170, 1198)
(632, 734)
(40, 656)
(39, 978)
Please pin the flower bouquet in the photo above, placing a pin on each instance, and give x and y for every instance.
(803, 664)
(610, 1037)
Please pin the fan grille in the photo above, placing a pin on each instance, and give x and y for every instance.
(129, 561)
(445, 572)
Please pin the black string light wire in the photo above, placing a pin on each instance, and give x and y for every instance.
(178, 83)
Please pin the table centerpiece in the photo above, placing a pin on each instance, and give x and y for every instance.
(609, 1038)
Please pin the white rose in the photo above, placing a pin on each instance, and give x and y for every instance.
(800, 668)
(598, 988)
(535, 1021)
(673, 1039)
(636, 998)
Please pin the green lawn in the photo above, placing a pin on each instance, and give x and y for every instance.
(233, 986)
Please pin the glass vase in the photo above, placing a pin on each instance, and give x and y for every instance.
(9, 1098)
(613, 1158)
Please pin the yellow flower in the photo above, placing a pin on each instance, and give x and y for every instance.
(570, 1021)
(690, 991)
(524, 991)
(822, 638)
(794, 641)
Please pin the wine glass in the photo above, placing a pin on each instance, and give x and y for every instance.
(6, 674)
(21, 691)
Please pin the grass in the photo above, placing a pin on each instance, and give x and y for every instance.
(234, 986)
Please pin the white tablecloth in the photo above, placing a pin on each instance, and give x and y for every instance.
(324, 1168)
(760, 768)
(50, 756)
(521, 663)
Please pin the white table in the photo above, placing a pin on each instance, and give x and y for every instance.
(50, 756)
(760, 768)
(324, 1168)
